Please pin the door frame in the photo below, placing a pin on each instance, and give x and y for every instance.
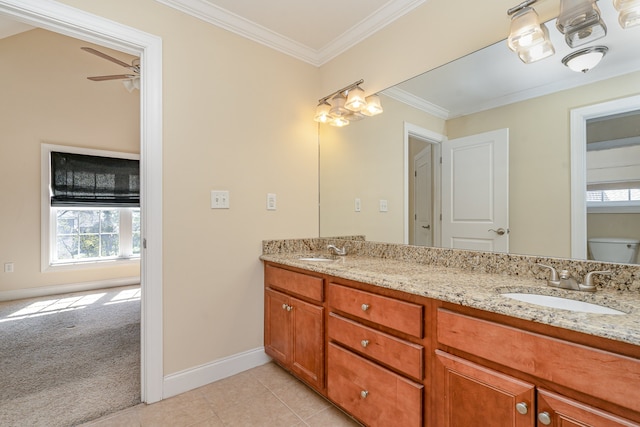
(411, 130)
(72, 22)
(578, 123)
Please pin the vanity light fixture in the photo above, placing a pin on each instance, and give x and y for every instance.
(581, 22)
(585, 59)
(629, 12)
(528, 37)
(346, 105)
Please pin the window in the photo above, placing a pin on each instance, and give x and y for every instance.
(613, 200)
(90, 209)
(96, 234)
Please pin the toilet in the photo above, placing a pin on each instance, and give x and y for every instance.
(613, 249)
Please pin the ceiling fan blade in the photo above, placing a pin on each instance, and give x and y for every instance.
(113, 77)
(108, 58)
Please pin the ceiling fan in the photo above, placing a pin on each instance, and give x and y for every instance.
(131, 80)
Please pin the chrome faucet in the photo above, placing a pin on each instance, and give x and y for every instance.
(564, 280)
(337, 251)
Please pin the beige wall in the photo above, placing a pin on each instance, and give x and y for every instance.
(539, 161)
(237, 116)
(366, 160)
(46, 98)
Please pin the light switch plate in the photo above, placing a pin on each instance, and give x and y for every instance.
(219, 199)
(357, 205)
(271, 201)
(384, 207)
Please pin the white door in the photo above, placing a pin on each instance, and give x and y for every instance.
(423, 197)
(475, 192)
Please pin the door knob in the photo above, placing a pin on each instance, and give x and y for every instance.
(500, 231)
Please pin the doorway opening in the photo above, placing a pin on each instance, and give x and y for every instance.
(579, 120)
(75, 23)
(422, 192)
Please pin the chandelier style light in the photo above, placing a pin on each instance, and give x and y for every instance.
(347, 105)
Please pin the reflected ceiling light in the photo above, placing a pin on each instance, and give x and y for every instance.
(339, 110)
(528, 37)
(629, 12)
(585, 59)
(373, 107)
(581, 22)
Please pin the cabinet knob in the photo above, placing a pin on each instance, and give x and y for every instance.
(544, 418)
(364, 343)
(289, 308)
(522, 408)
(284, 306)
(364, 394)
(364, 307)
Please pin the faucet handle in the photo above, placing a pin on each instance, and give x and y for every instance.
(588, 280)
(554, 273)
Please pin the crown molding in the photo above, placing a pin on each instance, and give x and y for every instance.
(234, 23)
(416, 102)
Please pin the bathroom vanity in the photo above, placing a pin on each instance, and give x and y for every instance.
(393, 338)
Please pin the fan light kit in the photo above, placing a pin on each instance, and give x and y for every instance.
(131, 80)
(346, 105)
(581, 23)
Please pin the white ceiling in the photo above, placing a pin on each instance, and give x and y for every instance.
(313, 31)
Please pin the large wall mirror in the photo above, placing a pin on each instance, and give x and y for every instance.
(368, 169)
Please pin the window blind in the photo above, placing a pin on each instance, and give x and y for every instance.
(94, 181)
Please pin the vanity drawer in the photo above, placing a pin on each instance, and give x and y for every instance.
(602, 374)
(394, 352)
(293, 282)
(374, 395)
(399, 315)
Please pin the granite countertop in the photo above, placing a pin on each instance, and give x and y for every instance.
(482, 291)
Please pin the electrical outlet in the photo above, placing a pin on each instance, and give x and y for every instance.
(384, 207)
(271, 202)
(219, 199)
(8, 267)
(358, 205)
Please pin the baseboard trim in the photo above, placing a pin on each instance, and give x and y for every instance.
(66, 288)
(199, 376)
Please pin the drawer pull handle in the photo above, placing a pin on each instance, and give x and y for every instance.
(364, 394)
(364, 307)
(522, 408)
(544, 418)
(287, 307)
(364, 343)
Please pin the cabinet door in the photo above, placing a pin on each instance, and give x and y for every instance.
(472, 395)
(308, 342)
(277, 326)
(559, 411)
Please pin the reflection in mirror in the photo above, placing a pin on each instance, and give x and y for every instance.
(613, 186)
(370, 160)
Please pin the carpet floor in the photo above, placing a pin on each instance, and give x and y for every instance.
(68, 359)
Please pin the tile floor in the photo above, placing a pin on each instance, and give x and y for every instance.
(263, 396)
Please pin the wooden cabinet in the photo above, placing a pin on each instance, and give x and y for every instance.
(294, 328)
(394, 359)
(471, 394)
(374, 375)
(467, 389)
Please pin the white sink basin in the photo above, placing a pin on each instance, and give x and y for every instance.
(562, 303)
(316, 259)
